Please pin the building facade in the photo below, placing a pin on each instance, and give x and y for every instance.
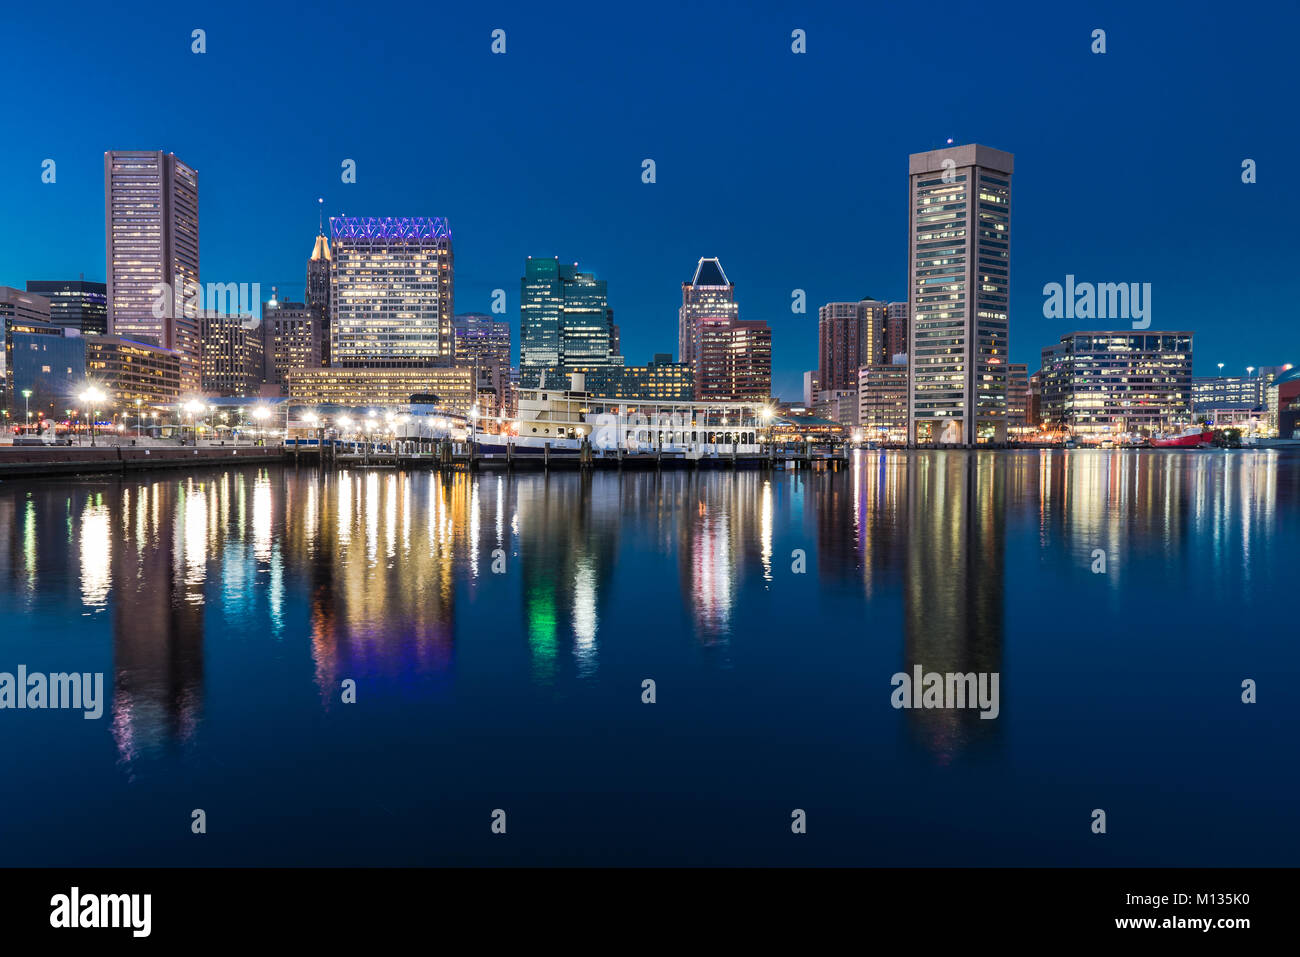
(292, 338)
(75, 303)
(849, 336)
(1017, 395)
(1096, 383)
(882, 403)
(391, 292)
(49, 369)
(451, 387)
(709, 297)
(17, 308)
(896, 331)
(129, 371)
(838, 405)
(565, 321)
(151, 222)
(734, 361)
(959, 219)
(233, 361)
(318, 292)
(661, 379)
(483, 344)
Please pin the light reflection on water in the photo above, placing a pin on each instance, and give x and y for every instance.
(950, 560)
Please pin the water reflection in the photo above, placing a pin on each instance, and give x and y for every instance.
(363, 572)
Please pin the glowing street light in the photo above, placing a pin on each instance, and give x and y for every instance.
(91, 399)
(27, 397)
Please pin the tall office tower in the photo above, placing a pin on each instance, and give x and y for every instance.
(896, 330)
(291, 339)
(318, 291)
(75, 303)
(151, 226)
(565, 322)
(849, 335)
(483, 344)
(391, 298)
(709, 295)
(733, 361)
(1017, 394)
(959, 218)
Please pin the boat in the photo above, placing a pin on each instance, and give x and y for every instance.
(562, 422)
(1195, 437)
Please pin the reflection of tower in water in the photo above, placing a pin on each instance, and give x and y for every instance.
(726, 529)
(568, 538)
(953, 595)
(379, 549)
(158, 567)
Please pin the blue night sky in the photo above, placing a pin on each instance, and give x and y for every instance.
(791, 168)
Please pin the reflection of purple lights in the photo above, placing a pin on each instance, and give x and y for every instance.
(380, 228)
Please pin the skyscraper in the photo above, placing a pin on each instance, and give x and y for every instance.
(959, 218)
(849, 335)
(151, 224)
(75, 303)
(318, 291)
(391, 292)
(483, 344)
(896, 334)
(565, 321)
(734, 361)
(709, 295)
(291, 339)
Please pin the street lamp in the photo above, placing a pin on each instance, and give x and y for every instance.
(193, 407)
(91, 399)
(27, 397)
(137, 419)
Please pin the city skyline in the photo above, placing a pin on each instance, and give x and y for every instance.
(726, 198)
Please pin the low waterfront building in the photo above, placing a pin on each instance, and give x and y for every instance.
(127, 371)
(882, 403)
(1283, 399)
(660, 379)
(1118, 381)
(837, 405)
(452, 386)
(1211, 393)
(16, 306)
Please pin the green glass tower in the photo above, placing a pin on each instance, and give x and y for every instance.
(565, 323)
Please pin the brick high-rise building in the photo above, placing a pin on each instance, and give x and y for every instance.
(151, 230)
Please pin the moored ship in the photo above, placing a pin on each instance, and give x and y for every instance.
(1192, 438)
(561, 422)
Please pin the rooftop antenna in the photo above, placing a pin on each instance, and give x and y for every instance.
(321, 209)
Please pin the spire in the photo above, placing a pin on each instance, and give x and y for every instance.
(322, 247)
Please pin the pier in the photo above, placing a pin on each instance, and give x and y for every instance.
(451, 455)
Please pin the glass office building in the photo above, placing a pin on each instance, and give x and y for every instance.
(565, 322)
(1117, 382)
